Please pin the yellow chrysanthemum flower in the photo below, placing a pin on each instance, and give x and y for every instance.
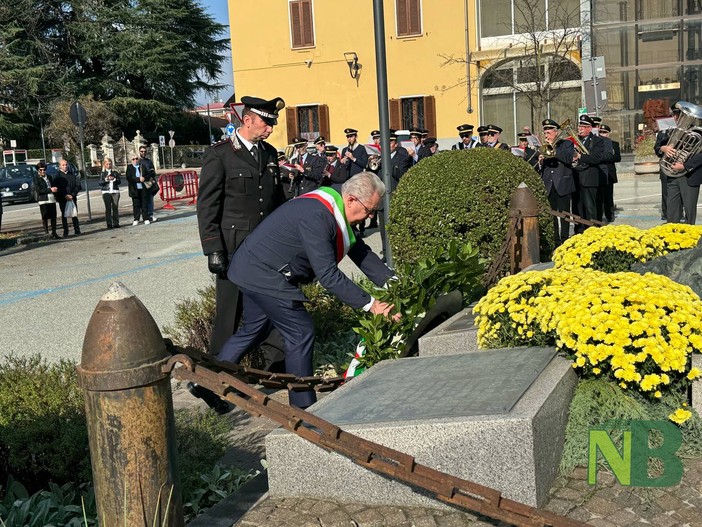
(680, 415)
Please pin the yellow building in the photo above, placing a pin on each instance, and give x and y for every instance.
(319, 55)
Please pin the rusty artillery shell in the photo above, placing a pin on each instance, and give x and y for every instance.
(129, 409)
(524, 243)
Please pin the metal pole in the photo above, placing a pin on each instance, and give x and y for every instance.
(209, 123)
(129, 410)
(82, 167)
(43, 142)
(384, 121)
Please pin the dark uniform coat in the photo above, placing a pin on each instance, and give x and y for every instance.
(353, 167)
(461, 146)
(311, 178)
(235, 194)
(588, 168)
(400, 163)
(557, 172)
(423, 152)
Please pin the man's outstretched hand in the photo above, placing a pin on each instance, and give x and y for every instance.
(383, 308)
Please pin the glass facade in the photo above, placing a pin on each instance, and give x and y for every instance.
(653, 58)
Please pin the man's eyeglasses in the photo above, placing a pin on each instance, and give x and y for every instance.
(369, 212)
(491, 133)
(41, 170)
(481, 134)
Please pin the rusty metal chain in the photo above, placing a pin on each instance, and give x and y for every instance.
(266, 379)
(574, 218)
(378, 458)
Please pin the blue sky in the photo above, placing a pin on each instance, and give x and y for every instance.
(218, 10)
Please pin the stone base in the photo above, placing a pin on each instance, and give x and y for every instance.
(516, 452)
(456, 335)
(697, 385)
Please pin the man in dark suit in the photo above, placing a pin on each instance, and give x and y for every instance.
(465, 132)
(419, 151)
(557, 175)
(310, 167)
(305, 239)
(399, 160)
(587, 167)
(662, 148)
(607, 198)
(320, 144)
(337, 176)
(239, 186)
(68, 186)
(530, 155)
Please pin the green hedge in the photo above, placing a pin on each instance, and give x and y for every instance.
(462, 195)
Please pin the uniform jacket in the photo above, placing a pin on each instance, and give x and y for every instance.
(236, 193)
(693, 167)
(299, 239)
(423, 152)
(354, 167)
(400, 163)
(314, 167)
(611, 165)
(460, 146)
(557, 171)
(42, 189)
(66, 184)
(662, 139)
(588, 169)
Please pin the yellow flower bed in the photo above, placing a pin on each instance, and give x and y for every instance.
(637, 330)
(642, 245)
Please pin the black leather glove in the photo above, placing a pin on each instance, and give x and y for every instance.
(217, 263)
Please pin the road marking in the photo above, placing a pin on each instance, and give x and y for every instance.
(10, 298)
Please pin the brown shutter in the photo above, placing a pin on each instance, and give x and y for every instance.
(430, 114)
(395, 117)
(323, 111)
(296, 24)
(414, 17)
(291, 121)
(307, 30)
(401, 6)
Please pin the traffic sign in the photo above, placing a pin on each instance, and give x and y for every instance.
(229, 130)
(171, 143)
(161, 140)
(77, 114)
(238, 111)
(582, 111)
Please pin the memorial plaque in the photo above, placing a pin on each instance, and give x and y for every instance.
(463, 323)
(469, 384)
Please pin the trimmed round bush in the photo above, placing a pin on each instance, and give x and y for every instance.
(462, 195)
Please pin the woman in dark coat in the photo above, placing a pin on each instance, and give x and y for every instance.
(45, 188)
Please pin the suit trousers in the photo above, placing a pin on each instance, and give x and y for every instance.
(681, 197)
(588, 203)
(226, 320)
(293, 322)
(664, 196)
(111, 201)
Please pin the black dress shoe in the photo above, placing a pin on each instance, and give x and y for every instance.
(213, 400)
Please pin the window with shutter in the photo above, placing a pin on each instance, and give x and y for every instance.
(409, 17)
(308, 122)
(301, 24)
(415, 112)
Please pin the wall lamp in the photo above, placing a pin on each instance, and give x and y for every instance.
(352, 60)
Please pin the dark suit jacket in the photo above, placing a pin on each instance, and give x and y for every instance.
(400, 162)
(299, 238)
(588, 169)
(423, 152)
(354, 167)
(106, 184)
(557, 171)
(337, 172)
(66, 184)
(236, 193)
(693, 166)
(611, 165)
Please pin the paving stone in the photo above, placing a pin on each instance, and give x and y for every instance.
(601, 506)
(568, 494)
(323, 507)
(663, 520)
(336, 518)
(601, 522)
(455, 520)
(669, 502)
(559, 506)
(623, 518)
(392, 515)
(424, 521)
(369, 518)
(581, 514)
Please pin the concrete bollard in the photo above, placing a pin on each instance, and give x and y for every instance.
(524, 242)
(129, 409)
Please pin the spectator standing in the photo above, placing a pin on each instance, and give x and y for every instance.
(148, 172)
(109, 182)
(67, 187)
(305, 239)
(45, 188)
(138, 192)
(240, 185)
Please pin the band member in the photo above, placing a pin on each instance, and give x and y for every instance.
(465, 132)
(353, 157)
(608, 190)
(493, 137)
(239, 186)
(310, 167)
(399, 160)
(530, 155)
(375, 137)
(319, 144)
(587, 167)
(288, 176)
(418, 151)
(335, 176)
(557, 175)
(482, 136)
(680, 198)
(607, 159)
(431, 144)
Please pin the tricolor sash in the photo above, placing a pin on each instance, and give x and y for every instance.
(332, 200)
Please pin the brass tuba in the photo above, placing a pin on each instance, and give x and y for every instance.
(686, 138)
(549, 149)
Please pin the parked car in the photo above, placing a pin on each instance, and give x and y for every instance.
(192, 158)
(17, 183)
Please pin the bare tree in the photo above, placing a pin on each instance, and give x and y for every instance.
(537, 59)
